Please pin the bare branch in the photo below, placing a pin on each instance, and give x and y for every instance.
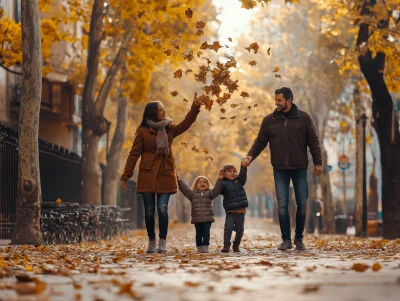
(11, 71)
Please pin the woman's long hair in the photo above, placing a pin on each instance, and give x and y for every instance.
(150, 113)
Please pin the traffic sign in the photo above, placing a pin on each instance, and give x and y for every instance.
(343, 162)
(329, 167)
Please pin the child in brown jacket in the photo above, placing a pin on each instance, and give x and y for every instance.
(201, 195)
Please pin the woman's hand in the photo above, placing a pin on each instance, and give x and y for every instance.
(196, 101)
(123, 185)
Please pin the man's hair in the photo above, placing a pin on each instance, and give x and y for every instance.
(229, 166)
(287, 93)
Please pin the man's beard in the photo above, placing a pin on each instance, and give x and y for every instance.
(281, 108)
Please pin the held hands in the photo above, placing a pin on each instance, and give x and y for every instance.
(317, 170)
(123, 185)
(246, 161)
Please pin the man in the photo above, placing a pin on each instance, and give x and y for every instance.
(289, 131)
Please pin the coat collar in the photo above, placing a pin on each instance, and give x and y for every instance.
(153, 130)
(294, 113)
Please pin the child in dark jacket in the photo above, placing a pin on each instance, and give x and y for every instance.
(235, 203)
(201, 195)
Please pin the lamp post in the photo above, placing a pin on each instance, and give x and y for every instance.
(364, 232)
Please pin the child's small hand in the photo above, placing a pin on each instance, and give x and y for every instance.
(221, 173)
(244, 162)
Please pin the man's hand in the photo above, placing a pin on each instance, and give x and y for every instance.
(221, 173)
(317, 170)
(123, 185)
(244, 162)
(196, 101)
(248, 160)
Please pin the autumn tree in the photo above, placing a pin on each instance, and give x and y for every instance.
(29, 198)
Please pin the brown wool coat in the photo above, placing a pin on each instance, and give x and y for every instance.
(156, 171)
(202, 211)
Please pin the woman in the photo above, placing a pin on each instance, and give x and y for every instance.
(157, 175)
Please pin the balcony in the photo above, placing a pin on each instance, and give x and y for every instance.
(58, 102)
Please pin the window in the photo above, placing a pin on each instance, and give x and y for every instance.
(18, 11)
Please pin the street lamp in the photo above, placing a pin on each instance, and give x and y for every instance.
(364, 233)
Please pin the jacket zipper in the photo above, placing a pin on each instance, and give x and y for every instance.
(286, 147)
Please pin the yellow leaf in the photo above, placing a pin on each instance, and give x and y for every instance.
(252, 63)
(140, 251)
(376, 267)
(58, 201)
(248, 4)
(28, 268)
(178, 73)
(360, 267)
(3, 263)
(205, 150)
(276, 69)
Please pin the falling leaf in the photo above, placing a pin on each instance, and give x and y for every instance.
(188, 56)
(189, 13)
(233, 117)
(205, 150)
(376, 267)
(209, 123)
(175, 43)
(200, 25)
(246, 118)
(276, 69)
(248, 4)
(255, 105)
(178, 73)
(167, 52)
(234, 105)
(253, 46)
(195, 149)
(185, 100)
(222, 118)
(216, 46)
(249, 107)
(222, 110)
(252, 63)
(211, 158)
(360, 267)
(157, 42)
(205, 46)
(278, 76)
(199, 53)
(244, 94)
(199, 33)
(207, 101)
(58, 201)
(185, 144)
(269, 51)
(174, 93)
(230, 39)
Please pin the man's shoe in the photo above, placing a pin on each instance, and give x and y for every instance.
(225, 249)
(205, 249)
(235, 248)
(162, 246)
(285, 245)
(299, 244)
(200, 249)
(152, 248)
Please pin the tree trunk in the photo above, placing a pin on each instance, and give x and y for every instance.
(358, 192)
(387, 129)
(29, 198)
(91, 172)
(328, 221)
(112, 168)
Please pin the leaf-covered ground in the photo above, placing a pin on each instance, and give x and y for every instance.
(332, 268)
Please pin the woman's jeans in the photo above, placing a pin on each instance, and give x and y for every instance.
(282, 181)
(149, 200)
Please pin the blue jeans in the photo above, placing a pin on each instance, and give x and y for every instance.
(300, 185)
(149, 200)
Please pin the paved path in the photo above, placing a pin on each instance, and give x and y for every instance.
(332, 268)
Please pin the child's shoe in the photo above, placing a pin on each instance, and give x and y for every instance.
(200, 249)
(205, 249)
(235, 247)
(225, 249)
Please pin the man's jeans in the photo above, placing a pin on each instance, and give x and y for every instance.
(282, 182)
(149, 200)
(202, 234)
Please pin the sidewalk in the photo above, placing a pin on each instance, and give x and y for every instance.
(333, 268)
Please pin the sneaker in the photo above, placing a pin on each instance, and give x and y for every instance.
(235, 248)
(299, 244)
(285, 245)
(205, 249)
(152, 248)
(162, 246)
(225, 249)
(200, 249)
